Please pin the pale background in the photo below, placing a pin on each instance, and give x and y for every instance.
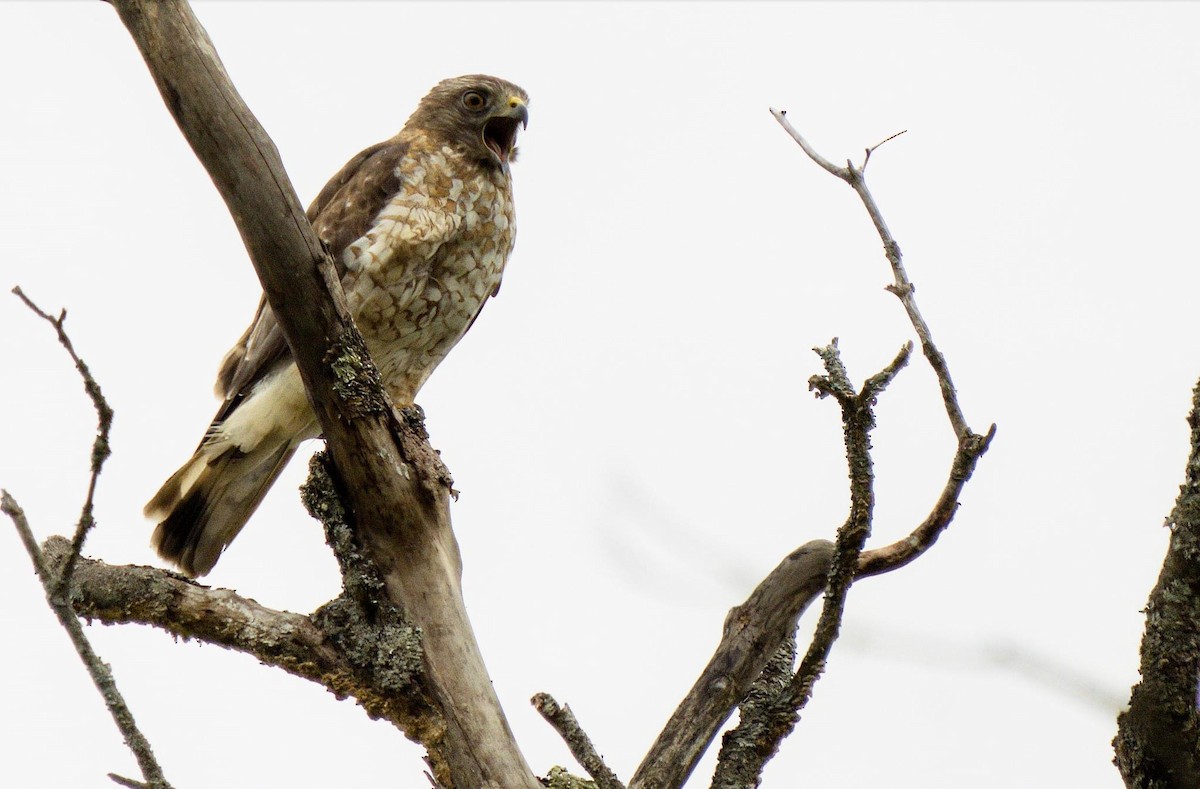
(628, 422)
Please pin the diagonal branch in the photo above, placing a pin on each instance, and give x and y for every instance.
(396, 487)
(56, 576)
(100, 672)
(564, 722)
(753, 632)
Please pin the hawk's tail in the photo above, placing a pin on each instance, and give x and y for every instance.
(204, 504)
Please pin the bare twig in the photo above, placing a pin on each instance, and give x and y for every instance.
(121, 780)
(101, 674)
(829, 167)
(564, 722)
(971, 446)
(100, 446)
(877, 146)
(774, 720)
(902, 287)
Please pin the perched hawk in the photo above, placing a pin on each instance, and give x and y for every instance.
(420, 227)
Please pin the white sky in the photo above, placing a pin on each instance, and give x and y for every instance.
(628, 422)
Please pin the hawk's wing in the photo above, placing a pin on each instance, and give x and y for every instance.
(341, 214)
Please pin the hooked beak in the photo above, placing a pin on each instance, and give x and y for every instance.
(500, 131)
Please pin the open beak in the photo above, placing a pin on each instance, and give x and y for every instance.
(500, 131)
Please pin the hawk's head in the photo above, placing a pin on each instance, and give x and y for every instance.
(477, 112)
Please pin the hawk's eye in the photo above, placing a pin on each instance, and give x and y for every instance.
(473, 100)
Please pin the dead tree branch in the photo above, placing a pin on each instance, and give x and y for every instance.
(971, 446)
(757, 738)
(1158, 738)
(730, 674)
(752, 633)
(332, 647)
(902, 286)
(396, 487)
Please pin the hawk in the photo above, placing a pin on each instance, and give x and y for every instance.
(420, 227)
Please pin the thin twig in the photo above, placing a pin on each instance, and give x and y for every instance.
(564, 722)
(830, 167)
(877, 146)
(101, 674)
(100, 447)
(902, 287)
(121, 780)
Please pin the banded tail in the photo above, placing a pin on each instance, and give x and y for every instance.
(204, 504)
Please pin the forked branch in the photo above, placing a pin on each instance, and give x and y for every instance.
(731, 672)
(56, 579)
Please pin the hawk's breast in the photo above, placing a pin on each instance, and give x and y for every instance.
(433, 256)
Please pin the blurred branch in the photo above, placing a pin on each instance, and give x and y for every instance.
(752, 633)
(564, 722)
(1158, 738)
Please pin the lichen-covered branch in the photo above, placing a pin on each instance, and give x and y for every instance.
(858, 419)
(563, 720)
(377, 663)
(124, 594)
(1158, 738)
(739, 763)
